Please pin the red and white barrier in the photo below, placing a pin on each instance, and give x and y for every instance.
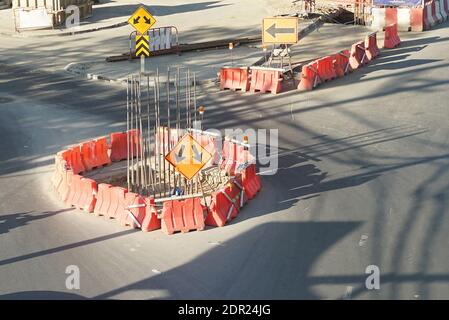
(443, 9)
(411, 19)
(382, 17)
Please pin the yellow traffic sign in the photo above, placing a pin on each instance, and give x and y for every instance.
(142, 46)
(280, 30)
(142, 20)
(188, 156)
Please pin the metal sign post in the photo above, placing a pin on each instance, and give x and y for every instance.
(142, 64)
(142, 20)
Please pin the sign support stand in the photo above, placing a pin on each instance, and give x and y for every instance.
(142, 64)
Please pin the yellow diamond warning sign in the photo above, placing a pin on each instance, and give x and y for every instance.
(188, 157)
(142, 20)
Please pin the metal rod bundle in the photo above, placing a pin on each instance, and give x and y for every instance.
(154, 132)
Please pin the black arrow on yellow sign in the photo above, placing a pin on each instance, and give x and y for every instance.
(142, 46)
(273, 30)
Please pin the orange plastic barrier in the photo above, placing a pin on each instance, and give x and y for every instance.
(94, 153)
(66, 156)
(103, 199)
(341, 63)
(357, 56)
(234, 78)
(151, 221)
(371, 48)
(119, 149)
(250, 181)
(75, 190)
(391, 39)
(309, 78)
(182, 216)
(325, 68)
(59, 171)
(133, 212)
(101, 152)
(228, 157)
(88, 154)
(266, 79)
(417, 18)
(224, 205)
(76, 162)
(391, 15)
(87, 198)
(63, 188)
(117, 202)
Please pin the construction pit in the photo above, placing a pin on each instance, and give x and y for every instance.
(164, 171)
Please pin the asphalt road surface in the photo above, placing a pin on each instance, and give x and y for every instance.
(363, 180)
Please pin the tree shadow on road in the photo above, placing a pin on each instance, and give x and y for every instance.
(41, 295)
(240, 270)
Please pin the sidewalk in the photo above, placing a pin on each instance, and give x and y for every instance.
(217, 19)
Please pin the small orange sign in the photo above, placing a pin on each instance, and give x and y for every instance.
(188, 156)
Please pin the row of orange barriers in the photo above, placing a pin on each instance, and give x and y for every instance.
(337, 65)
(227, 202)
(243, 185)
(98, 152)
(134, 210)
(129, 208)
(84, 157)
(253, 79)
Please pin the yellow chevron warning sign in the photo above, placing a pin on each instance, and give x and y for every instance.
(142, 46)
